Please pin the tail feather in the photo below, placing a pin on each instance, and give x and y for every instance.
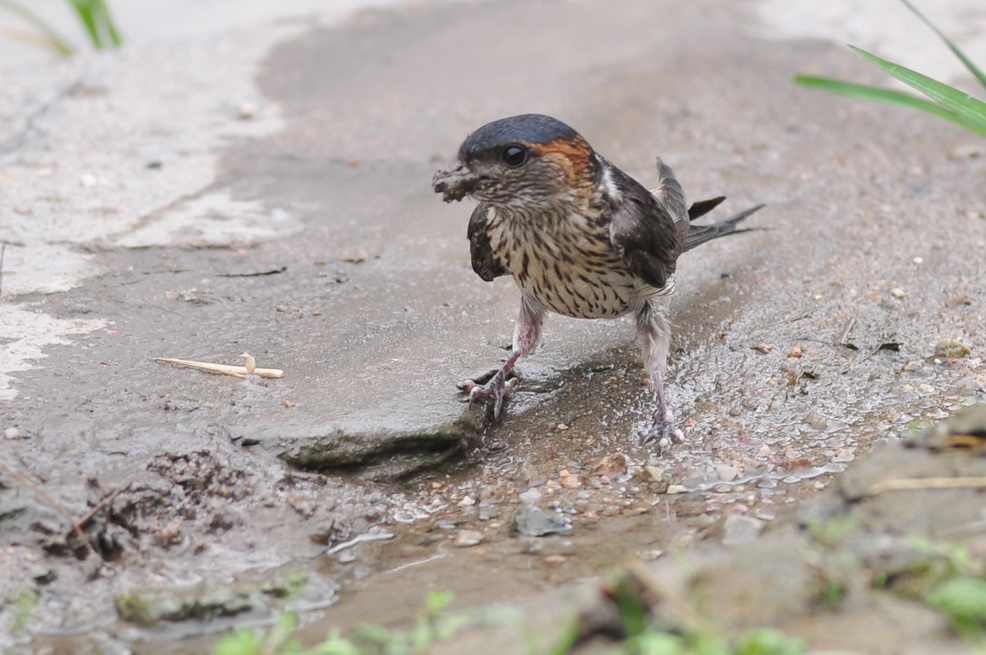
(669, 191)
(703, 207)
(699, 234)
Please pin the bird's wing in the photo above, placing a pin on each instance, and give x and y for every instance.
(649, 228)
(484, 262)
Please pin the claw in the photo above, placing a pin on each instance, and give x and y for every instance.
(497, 389)
(662, 434)
(662, 431)
(475, 391)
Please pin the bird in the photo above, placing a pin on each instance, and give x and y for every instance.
(580, 238)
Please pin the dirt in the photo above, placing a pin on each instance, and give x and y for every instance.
(798, 348)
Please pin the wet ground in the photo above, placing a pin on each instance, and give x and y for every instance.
(278, 203)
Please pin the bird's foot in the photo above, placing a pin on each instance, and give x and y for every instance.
(497, 388)
(662, 432)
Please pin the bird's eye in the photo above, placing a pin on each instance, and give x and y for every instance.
(514, 156)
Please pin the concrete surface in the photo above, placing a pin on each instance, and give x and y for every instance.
(263, 186)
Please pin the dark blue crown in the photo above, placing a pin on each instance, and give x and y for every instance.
(525, 128)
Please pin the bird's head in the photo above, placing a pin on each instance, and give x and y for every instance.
(521, 162)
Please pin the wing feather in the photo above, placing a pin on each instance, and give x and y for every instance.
(649, 228)
(484, 261)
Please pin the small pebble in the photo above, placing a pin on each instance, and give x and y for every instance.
(951, 349)
(612, 465)
(533, 521)
(247, 111)
(570, 481)
(816, 420)
(656, 474)
(897, 292)
(966, 151)
(468, 538)
(741, 529)
(726, 472)
(649, 555)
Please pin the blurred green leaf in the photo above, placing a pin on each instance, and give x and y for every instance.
(951, 46)
(958, 101)
(963, 601)
(889, 97)
(946, 101)
(52, 39)
(769, 642)
(242, 642)
(95, 16)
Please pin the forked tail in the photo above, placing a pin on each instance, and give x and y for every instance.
(699, 234)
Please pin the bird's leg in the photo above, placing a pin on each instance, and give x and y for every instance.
(654, 333)
(527, 335)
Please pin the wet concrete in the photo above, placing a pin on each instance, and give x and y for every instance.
(795, 349)
(848, 571)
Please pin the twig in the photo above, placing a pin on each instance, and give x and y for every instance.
(914, 484)
(235, 371)
(439, 554)
(53, 504)
(107, 499)
(963, 531)
(792, 319)
(844, 337)
(368, 536)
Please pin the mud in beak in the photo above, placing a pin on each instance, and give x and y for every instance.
(456, 183)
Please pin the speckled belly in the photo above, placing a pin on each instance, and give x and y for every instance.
(579, 292)
(575, 273)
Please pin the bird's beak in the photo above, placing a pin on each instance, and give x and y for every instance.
(455, 183)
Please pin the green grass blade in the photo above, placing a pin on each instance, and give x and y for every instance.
(889, 97)
(101, 12)
(83, 10)
(115, 37)
(95, 16)
(958, 101)
(57, 42)
(951, 46)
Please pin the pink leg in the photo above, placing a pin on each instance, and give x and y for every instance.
(654, 333)
(527, 335)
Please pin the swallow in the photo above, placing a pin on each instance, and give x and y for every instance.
(580, 238)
